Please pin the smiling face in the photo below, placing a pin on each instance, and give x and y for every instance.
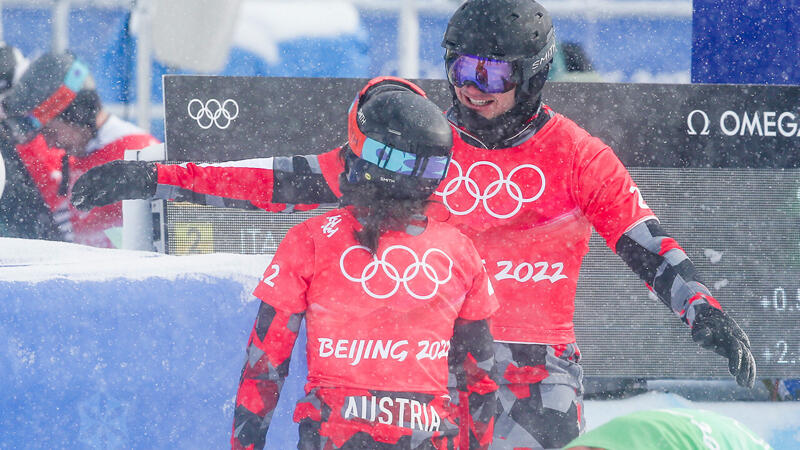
(486, 105)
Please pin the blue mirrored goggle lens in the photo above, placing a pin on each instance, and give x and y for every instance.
(356, 167)
(404, 163)
(489, 75)
(436, 168)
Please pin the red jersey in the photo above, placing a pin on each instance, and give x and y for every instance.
(529, 210)
(46, 168)
(371, 317)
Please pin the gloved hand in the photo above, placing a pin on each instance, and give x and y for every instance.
(114, 181)
(715, 330)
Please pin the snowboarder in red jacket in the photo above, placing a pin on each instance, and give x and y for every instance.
(390, 296)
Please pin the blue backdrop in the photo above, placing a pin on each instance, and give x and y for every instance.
(746, 41)
(743, 41)
(621, 49)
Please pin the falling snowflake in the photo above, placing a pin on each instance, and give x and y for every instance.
(713, 255)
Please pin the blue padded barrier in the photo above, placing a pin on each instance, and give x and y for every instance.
(134, 350)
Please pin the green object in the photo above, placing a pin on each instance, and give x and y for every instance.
(671, 429)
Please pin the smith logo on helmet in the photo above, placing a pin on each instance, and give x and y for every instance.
(546, 58)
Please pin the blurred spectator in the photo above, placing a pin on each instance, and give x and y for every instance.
(783, 389)
(576, 58)
(23, 212)
(70, 133)
(572, 63)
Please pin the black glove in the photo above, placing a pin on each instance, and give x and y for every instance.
(114, 181)
(715, 330)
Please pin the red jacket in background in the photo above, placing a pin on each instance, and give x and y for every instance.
(46, 167)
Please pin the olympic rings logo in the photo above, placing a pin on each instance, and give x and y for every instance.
(511, 188)
(410, 272)
(212, 112)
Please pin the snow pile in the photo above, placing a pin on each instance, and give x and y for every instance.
(121, 349)
(36, 261)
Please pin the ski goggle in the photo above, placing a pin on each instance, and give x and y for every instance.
(59, 100)
(489, 75)
(404, 163)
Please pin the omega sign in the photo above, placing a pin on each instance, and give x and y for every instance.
(733, 123)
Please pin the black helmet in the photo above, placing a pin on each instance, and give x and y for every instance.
(54, 85)
(519, 31)
(398, 140)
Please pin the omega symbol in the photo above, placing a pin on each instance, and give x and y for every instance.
(690, 125)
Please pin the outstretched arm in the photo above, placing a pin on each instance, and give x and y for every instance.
(612, 201)
(265, 370)
(670, 274)
(273, 184)
(279, 184)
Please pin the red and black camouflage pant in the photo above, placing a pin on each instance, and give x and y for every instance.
(353, 422)
(310, 439)
(540, 396)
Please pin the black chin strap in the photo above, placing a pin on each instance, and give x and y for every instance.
(500, 131)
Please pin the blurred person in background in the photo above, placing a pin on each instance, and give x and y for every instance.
(571, 63)
(669, 429)
(62, 130)
(23, 212)
(527, 185)
(434, 318)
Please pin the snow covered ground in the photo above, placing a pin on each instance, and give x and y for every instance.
(125, 349)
